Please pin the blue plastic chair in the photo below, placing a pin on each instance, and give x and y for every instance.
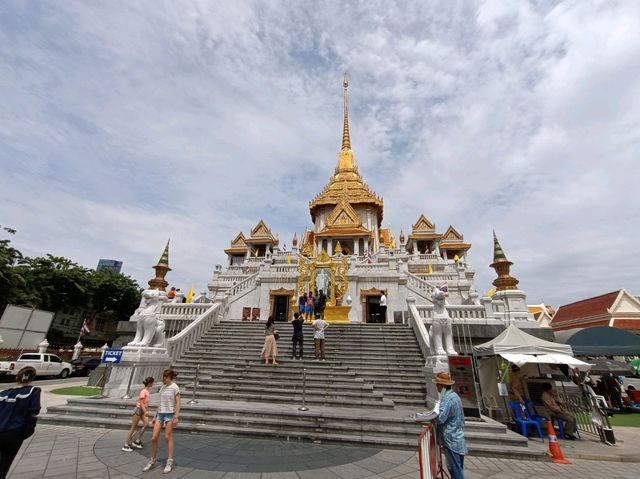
(556, 420)
(533, 412)
(525, 422)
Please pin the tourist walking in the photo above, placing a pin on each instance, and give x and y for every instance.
(139, 413)
(556, 407)
(319, 326)
(451, 422)
(383, 307)
(298, 336)
(309, 308)
(19, 408)
(167, 418)
(270, 347)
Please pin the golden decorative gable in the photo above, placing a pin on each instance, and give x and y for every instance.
(239, 241)
(344, 216)
(452, 235)
(261, 229)
(423, 224)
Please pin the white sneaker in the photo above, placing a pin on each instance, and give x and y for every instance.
(136, 444)
(127, 448)
(149, 466)
(168, 467)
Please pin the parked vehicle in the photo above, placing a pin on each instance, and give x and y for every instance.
(85, 364)
(44, 364)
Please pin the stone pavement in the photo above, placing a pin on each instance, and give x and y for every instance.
(77, 452)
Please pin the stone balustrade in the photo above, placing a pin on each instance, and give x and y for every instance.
(183, 340)
(182, 309)
(456, 311)
(372, 267)
(421, 284)
(242, 286)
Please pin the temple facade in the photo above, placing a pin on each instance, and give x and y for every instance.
(354, 259)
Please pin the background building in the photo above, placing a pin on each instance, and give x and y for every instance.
(110, 264)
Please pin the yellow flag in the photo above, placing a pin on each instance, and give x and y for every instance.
(289, 258)
(430, 269)
(191, 293)
(491, 292)
(255, 253)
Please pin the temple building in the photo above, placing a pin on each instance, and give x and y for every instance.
(354, 259)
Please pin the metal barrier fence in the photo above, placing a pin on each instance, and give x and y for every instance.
(590, 418)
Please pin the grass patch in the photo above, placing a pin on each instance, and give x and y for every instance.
(77, 391)
(625, 420)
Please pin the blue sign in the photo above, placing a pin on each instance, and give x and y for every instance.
(112, 356)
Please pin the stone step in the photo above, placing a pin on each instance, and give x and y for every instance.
(296, 398)
(310, 365)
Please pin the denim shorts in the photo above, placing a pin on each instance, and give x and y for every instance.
(165, 417)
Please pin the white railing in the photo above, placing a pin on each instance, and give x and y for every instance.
(372, 267)
(243, 285)
(254, 259)
(456, 312)
(431, 257)
(421, 284)
(182, 341)
(419, 329)
(285, 268)
(184, 309)
(228, 278)
(437, 277)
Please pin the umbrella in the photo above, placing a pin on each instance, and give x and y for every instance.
(635, 364)
(603, 367)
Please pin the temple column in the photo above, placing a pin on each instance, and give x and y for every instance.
(330, 247)
(356, 246)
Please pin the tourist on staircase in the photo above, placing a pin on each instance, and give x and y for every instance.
(302, 305)
(319, 326)
(298, 337)
(167, 418)
(451, 422)
(270, 347)
(309, 308)
(321, 304)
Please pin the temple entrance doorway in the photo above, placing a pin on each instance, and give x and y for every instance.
(370, 300)
(280, 300)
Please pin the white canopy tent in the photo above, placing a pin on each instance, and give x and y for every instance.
(520, 348)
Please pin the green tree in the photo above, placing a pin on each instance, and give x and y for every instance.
(11, 281)
(114, 292)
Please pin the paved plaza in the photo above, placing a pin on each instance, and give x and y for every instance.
(83, 453)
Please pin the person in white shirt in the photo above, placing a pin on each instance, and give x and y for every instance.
(319, 326)
(383, 307)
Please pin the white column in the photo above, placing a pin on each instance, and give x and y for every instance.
(330, 247)
(356, 246)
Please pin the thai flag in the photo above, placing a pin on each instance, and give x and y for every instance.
(85, 328)
(445, 289)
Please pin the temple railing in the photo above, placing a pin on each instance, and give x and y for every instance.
(254, 259)
(456, 311)
(227, 278)
(179, 343)
(426, 287)
(438, 277)
(243, 285)
(429, 257)
(372, 267)
(183, 309)
(419, 329)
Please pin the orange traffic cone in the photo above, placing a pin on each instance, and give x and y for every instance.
(554, 447)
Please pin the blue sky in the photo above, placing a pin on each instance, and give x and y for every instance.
(125, 123)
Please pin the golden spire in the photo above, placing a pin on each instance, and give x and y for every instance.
(162, 268)
(346, 161)
(346, 139)
(502, 266)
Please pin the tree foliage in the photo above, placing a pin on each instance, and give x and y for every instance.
(54, 284)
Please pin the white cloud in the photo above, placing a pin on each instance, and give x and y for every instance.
(122, 125)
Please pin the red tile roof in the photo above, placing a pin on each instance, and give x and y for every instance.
(585, 308)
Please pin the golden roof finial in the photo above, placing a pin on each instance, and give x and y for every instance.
(346, 139)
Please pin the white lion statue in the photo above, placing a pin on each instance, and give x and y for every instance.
(441, 327)
(150, 329)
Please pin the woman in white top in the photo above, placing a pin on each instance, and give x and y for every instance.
(167, 417)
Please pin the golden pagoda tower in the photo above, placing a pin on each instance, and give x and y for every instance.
(162, 268)
(502, 266)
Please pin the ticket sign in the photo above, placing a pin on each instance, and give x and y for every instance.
(112, 356)
(461, 370)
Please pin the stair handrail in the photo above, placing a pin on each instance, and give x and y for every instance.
(178, 344)
(421, 283)
(419, 329)
(242, 285)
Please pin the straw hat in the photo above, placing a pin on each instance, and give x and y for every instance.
(443, 378)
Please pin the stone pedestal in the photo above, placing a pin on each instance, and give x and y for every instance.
(433, 366)
(136, 364)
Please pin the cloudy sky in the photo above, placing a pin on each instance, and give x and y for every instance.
(125, 123)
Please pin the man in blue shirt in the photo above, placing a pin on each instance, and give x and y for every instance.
(298, 336)
(451, 425)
